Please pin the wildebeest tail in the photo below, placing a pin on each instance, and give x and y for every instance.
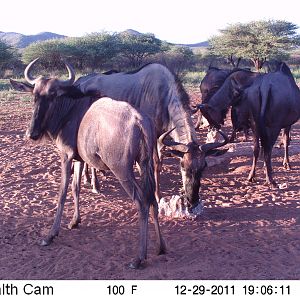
(147, 147)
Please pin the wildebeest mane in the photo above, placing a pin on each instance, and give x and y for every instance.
(73, 92)
(139, 69)
(184, 98)
(63, 106)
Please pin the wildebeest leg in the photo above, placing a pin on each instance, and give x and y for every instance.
(246, 134)
(95, 182)
(161, 244)
(256, 149)
(131, 187)
(66, 166)
(286, 143)
(78, 167)
(233, 136)
(86, 175)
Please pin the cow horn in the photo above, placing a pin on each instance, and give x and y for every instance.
(209, 146)
(27, 75)
(71, 78)
(172, 144)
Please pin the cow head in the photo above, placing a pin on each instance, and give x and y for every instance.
(192, 163)
(44, 91)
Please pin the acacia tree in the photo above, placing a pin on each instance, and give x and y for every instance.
(50, 52)
(178, 59)
(90, 51)
(96, 49)
(256, 41)
(135, 48)
(9, 57)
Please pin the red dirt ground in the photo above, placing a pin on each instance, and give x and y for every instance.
(247, 231)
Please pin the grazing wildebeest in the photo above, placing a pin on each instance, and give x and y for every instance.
(106, 134)
(155, 91)
(271, 102)
(212, 81)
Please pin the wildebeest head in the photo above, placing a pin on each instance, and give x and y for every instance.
(192, 163)
(44, 91)
(228, 94)
(211, 82)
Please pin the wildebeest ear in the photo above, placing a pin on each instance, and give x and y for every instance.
(21, 86)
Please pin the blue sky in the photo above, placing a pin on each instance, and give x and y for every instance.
(184, 21)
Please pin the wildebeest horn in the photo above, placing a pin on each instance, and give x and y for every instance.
(172, 144)
(27, 75)
(199, 106)
(210, 146)
(71, 78)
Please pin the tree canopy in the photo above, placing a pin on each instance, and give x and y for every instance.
(256, 41)
(136, 47)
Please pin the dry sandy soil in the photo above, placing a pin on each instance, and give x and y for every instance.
(247, 231)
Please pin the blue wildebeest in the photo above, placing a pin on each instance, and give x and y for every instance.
(87, 179)
(270, 101)
(212, 81)
(155, 91)
(106, 134)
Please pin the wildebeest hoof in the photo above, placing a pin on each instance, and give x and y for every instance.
(161, 250)
(46, 242)
(251, 179)
(96, 191)
(74, 224)
(136, 264)
(271, 183)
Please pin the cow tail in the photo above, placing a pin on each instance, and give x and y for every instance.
(147, 144)
(264, 100)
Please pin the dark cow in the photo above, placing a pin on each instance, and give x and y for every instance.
(106, 134)
(271, 102)
(155, 91)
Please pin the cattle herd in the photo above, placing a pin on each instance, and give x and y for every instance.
(116, 121)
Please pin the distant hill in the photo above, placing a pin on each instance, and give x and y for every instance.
(197, 45)
(19, 40)
(130, 31)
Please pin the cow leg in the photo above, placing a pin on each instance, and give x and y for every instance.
(95, 182)
(66, 166)
(78, 167)
(256, 149)
(162, 249)
(286, 143)
(131, 187)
